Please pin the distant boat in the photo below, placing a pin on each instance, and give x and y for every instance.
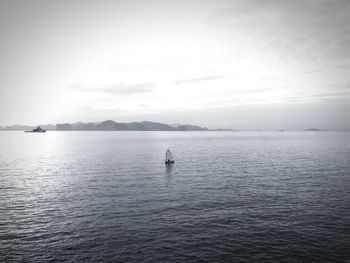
(169, 158)
(37, 129)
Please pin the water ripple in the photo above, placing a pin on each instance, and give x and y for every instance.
(230, 197)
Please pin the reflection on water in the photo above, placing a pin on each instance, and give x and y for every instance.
(106, 196)
(169, 169)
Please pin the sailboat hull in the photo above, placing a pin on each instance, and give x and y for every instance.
(169, 162)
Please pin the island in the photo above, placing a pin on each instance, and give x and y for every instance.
(314, 129)
(109, 125)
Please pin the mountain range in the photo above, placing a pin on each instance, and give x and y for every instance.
(110, 125)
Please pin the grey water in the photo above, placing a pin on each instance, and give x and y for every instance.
(230, 197)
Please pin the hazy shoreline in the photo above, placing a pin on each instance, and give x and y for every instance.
(110, 125)
(209, 130)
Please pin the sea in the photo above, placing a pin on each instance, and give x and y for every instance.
(230, 196)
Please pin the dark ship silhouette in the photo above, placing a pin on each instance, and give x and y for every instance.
(37, 129)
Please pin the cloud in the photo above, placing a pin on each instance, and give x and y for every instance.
(192, 80)
(126, 68)
(116, 88)
(332, 94)
(301, 30)
(260, 89)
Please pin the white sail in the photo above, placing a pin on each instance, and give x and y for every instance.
(169, 156)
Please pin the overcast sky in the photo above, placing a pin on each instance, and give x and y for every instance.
(249, 64)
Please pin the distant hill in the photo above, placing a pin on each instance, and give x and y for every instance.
(17, 128)
(48, 127)
(314, 129)
(110, 125)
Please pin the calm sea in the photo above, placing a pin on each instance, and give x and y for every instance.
(230, 197)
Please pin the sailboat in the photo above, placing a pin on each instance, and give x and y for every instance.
(169, 158)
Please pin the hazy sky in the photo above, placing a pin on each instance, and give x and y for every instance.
(268, 64)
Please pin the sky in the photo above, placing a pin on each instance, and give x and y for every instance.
(240, 64)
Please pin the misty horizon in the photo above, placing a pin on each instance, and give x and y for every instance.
(53, 126)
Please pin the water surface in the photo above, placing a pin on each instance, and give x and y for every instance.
(231, 196)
